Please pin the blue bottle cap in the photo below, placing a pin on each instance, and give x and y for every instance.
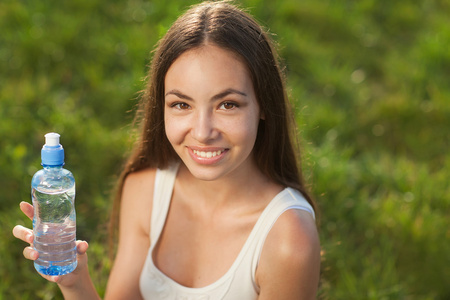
(52, 153)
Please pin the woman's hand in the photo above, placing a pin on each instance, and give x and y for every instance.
(26, 235)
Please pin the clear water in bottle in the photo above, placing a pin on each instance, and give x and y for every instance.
(54, 230)
(54, 221)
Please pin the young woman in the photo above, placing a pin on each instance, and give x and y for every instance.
(211, 203)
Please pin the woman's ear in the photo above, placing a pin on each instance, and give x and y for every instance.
(262, 116)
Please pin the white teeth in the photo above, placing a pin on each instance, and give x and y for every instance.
(208, 154)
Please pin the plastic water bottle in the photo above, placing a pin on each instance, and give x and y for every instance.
(54, 222)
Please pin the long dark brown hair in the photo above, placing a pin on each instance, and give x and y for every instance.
(225, 25)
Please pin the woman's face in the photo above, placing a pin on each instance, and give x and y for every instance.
(211, 113)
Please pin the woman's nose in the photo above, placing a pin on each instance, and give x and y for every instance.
(203, 129)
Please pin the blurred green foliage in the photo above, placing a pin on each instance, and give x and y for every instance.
(369, 80)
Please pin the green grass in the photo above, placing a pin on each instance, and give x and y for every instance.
(369, 80)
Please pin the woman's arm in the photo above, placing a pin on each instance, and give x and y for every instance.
(134, 240)
(289, 266)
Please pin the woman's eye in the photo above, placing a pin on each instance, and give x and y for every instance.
(181, 105)
(228, 105)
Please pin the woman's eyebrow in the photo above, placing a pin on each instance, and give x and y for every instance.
(228, 92)
(220, 95)
(178, 94)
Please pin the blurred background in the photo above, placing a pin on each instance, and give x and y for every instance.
(370, 83)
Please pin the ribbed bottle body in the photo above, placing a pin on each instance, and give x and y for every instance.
(54, 222)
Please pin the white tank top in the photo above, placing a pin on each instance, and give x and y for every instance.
(239, 281)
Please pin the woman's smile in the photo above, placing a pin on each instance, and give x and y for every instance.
(207, 156)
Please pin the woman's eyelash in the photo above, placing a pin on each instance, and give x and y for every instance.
(229, 105)
(226, 105)
(180, 105)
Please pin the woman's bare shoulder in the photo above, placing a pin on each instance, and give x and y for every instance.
(137, 196)
(291, 253)
(142, 179)
(138, 184)
(296, 230)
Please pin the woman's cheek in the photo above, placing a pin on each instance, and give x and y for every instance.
(176, 129)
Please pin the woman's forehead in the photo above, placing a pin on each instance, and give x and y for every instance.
(208, 65)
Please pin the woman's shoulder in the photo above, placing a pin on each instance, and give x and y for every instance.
(292, 247)
(137, 194)
(142, 173)
(294, 232)
(139, 182)
(142, 179)
(138, 186)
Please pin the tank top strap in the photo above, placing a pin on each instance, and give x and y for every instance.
(162, 194)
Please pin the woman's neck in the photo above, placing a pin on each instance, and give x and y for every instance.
(236, 190)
